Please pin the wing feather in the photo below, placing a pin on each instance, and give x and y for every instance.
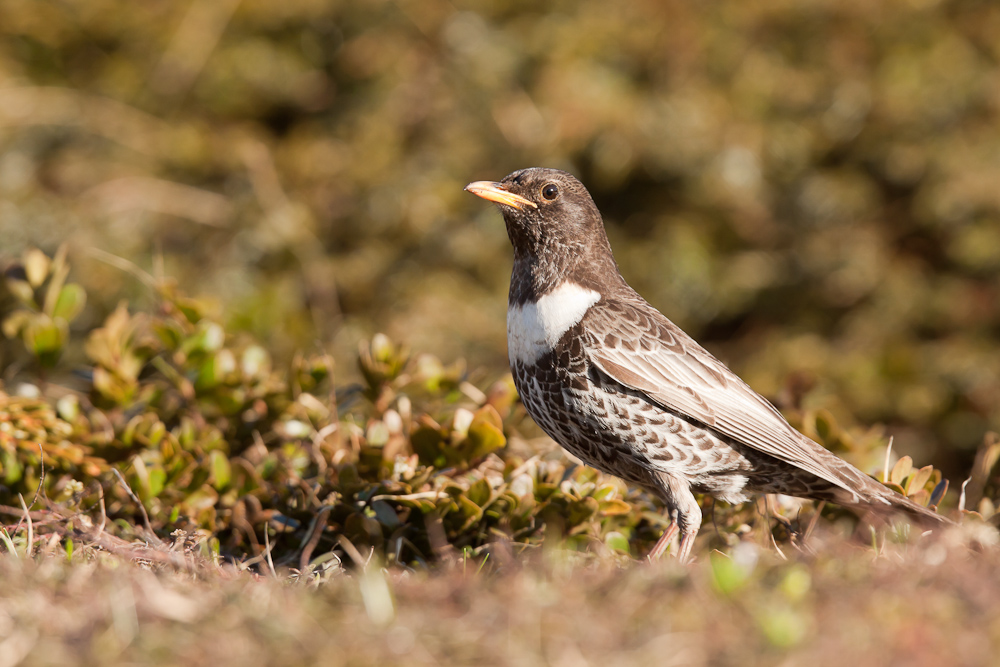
(653, 356)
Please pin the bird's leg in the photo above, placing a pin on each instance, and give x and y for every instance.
(685, 515)
(668, 536)
(687, 541)
(689, 520)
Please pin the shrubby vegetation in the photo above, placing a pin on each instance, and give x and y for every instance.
(197, 431)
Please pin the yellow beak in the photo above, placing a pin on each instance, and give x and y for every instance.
(494, 192)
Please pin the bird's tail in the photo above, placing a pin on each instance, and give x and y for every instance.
(924, 516)
(883, 504)
(870, 498)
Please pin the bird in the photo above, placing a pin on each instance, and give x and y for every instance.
(626, 391)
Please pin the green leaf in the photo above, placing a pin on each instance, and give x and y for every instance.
(128, 435)
(70, 302)
(617, 542)
(207, 376)
(480, 493)
(59, 271)
(471, 510)
(221, 469)
(897, 488)
(156, 433)
(112, 346)
(45, 339)
(202, 499)
(484, 439)
(615, 507)
(10, 467)
(426, 442)
(157, 481)
(604, 492)
(825, 426)
(919, 480)
(111, 388)
(901, 470)
(488, 414)
(581, 510)
(485, 433)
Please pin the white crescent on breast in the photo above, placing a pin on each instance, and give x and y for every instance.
(534, 328)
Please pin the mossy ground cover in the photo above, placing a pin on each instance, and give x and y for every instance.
(929, 603)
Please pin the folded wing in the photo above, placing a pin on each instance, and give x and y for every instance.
(641, 349)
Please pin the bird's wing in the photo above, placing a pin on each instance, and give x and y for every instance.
(638, 347)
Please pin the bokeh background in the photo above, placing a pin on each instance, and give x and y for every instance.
(812, 189)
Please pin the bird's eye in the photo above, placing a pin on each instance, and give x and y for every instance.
(550, 191)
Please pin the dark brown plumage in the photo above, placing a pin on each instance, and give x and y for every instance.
(621, 387)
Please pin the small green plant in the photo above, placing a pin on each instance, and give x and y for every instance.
(46, 304)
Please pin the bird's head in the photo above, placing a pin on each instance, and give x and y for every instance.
(545, 210)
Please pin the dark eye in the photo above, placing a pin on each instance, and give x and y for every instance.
(550, 191)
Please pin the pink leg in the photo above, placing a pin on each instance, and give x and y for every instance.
(683, 552)
(685, 515)
(661, 544)
(687, 541)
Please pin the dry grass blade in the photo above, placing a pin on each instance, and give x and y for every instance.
(7, 541)
(41, 481)
(312, 536)
(986, 459)
(29, 547)
(125, 265)
(267, 554)
(151, 534)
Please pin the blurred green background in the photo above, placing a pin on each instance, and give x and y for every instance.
(812, 189)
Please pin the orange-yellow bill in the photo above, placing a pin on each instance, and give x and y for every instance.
(494, 192)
